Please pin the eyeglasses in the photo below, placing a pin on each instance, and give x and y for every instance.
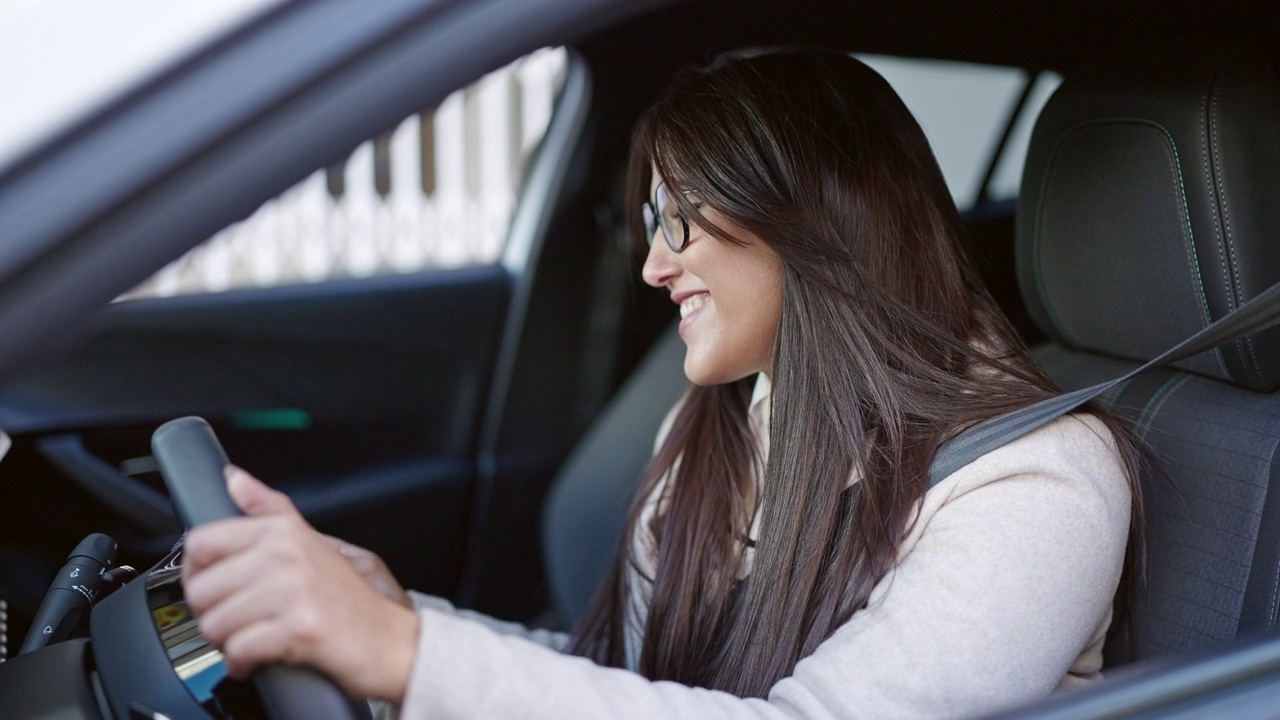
(663, 213)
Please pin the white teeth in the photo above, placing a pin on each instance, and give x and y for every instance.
(691, 304)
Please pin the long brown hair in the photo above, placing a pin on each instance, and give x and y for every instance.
(888, 344)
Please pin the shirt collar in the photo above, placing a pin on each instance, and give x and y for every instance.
(761, 393)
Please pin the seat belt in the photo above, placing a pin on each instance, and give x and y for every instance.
(1259, 313)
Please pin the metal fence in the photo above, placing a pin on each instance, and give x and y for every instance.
(436, 192)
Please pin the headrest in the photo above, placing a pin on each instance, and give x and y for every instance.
(1150, 206)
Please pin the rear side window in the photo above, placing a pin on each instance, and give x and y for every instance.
(1008, 172)
(964, 109)
(436, 192)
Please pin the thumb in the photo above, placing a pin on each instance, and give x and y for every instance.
(255, 498)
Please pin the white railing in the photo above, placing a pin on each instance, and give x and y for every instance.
(438, 191)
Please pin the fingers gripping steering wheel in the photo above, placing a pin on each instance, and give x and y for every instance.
(192, 463)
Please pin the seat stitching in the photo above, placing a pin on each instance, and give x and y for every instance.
(1143, 426)
(1222, 531)
(1241, 428)
(1221, 204)
(1275, 596)
(1174, 568)
(1182, 622)
(1275, 584)
(1193, 257)
(1200, 394)
(1197, 617)
(1206, 153)
(1178, 624)
(1216, 500)
(1193, 443)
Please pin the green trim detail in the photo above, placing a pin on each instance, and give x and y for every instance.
(272, 419)
(1144, 421)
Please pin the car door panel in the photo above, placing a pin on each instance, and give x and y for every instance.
(361, 399)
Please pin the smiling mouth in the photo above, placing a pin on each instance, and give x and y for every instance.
(692, 305)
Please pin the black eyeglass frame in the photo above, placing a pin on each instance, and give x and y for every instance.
(655, 220)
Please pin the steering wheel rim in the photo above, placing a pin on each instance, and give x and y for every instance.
(192, 462)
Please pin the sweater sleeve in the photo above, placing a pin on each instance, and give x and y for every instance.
(551, 639)
(1007, 577)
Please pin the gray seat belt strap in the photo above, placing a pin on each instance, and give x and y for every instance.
(1259, 313)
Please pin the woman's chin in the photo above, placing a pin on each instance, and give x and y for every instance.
(697, 371)
(701, 371)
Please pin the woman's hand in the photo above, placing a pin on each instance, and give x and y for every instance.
(372, 570)
(267, 588)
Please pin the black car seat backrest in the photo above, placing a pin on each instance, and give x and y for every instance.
(1150, 206)
(584, 515)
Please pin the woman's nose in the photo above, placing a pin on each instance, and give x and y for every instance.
(661, 265)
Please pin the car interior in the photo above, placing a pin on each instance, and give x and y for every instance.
(483, 428)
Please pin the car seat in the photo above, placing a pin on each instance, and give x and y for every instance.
(586, 509)
(1150, 206)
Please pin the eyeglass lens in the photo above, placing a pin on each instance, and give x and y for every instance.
(673, 225)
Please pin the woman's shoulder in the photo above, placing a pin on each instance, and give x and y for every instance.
(1075, 455)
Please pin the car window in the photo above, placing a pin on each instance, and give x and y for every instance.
(964, 109)
(438, 191)
(1008, 175)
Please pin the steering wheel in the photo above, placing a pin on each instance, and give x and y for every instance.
(192, 461)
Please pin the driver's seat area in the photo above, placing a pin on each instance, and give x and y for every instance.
(1150, 206)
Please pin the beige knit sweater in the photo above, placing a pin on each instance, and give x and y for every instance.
(1002, 593)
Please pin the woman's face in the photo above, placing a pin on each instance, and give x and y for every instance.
(730, 298)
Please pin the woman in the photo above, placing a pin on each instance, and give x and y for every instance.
(785, 556)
